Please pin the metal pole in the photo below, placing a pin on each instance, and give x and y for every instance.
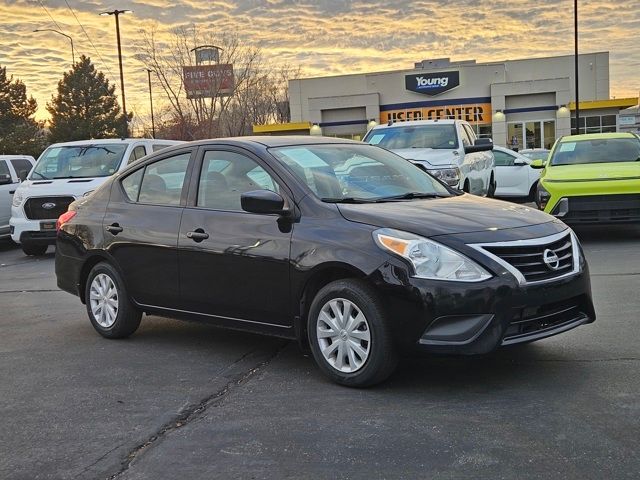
(124, 102)
(153, 123)
(575, 27)
(73, 54)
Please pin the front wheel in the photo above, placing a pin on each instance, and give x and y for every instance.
(491, 192)
(111, 312)
(349, 334)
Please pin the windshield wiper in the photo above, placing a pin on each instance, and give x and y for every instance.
(41, 175)
(347, 200)
(412, 195)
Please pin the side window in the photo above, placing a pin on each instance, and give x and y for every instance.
(470, 133)
(157, 146)
(4, 169)
(163, 180)
(20, 165)
(503, 159)
(137, 154)
(465, 136)
(131, 184)
(225, 176)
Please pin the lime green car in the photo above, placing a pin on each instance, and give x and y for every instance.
(593, 178)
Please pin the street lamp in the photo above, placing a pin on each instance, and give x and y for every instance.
(73, 54)
(153, 123)
(575, 32)
(117, 13)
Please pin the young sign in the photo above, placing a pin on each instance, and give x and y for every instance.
(432, 83)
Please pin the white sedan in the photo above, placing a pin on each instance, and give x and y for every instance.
(514, 175)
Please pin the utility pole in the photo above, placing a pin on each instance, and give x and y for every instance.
(575, 29)
(153, 123)
(117, 13)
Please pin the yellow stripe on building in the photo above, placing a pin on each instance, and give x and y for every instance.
(612, 103)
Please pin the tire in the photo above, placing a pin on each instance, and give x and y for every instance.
(466, 187)
(102, 280)
(532, 192)
(368, 355)
(492, 187)
(35, 250)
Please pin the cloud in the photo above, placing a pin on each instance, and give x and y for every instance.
(325, 37)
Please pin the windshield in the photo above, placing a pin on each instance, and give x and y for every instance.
(357, 173)
(536, 154)
(434, 136)
(79, 161)
(602, 150)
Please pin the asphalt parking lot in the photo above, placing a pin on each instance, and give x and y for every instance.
(183, 400)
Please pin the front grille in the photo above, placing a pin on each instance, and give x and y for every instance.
(603, 209)
(532, 321)
(528, 258)
(34, 210)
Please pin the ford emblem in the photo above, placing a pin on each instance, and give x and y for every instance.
(49, 205)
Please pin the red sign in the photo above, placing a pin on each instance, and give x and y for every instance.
(207, 81)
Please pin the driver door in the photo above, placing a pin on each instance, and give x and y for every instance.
(512, 177)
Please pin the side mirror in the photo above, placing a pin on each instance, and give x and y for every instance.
(518, 162)
(539, 163)
(263, 201)
(480, 145)
(5, 179)
(22, 175)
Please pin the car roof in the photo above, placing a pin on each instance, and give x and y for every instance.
(16, 157)
(510, 152)
(276, 141)
(124, 141)
(597, 136)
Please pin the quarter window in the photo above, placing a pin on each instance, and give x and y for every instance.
(163, 180)
(225, 176)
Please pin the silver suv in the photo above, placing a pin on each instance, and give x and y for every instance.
(447, 149)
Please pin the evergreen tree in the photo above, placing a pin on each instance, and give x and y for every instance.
(85, 107)
(19, 132)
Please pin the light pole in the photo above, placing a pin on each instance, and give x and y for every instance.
(153, 123)
(73, 54)
(575, 30)
(117, 13)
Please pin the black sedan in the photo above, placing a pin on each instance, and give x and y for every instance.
(349, 249)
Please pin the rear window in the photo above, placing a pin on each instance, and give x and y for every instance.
(597, 150)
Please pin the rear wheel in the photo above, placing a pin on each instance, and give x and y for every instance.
(466, 187)
(532, 192)
(349, 334)
(35, 250)
(111, 312)
(491, 192)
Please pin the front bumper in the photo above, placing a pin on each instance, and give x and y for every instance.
(475, 318)
(25, 231)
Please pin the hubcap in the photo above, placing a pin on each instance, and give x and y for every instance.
(343, 335)
(103, 298)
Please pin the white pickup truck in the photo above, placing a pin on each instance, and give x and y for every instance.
(447, 149)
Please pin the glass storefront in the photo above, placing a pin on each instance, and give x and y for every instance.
(594, 123)
(537, 134)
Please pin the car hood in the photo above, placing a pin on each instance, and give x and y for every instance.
(445, 216)
(434, 158)
(75, 187)
(593, 171)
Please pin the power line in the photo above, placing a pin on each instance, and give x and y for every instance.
(52, 19)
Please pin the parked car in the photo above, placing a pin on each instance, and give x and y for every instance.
(593, 178)
(447, 149)
(343, 246)
(536, 153)
(63, 173)
(514, 175)
(10, 168)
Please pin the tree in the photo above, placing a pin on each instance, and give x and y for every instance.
(85, 106)
(19, 132)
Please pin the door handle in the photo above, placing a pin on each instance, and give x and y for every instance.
(11, 192)
(198, 235)
(114, 229)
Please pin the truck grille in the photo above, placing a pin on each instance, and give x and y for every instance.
(532, 322)
(34, 208)
(536, 260)
(603, 209)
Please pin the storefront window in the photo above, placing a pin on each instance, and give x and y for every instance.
(595, 124)
(538, 134)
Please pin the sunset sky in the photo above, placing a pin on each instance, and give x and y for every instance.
(324, 37)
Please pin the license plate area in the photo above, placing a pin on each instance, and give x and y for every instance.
(47, 226)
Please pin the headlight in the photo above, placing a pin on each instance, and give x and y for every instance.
(430, 259)
(542, 196)
(18, 197)
(451, 176)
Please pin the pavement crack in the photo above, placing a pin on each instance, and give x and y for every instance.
(98, 460)
(192, 412)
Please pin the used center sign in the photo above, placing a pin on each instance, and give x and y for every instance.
(433, 83)
(207, 81)
(475, 114)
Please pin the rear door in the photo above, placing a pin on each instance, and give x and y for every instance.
(141, 227)
(237, 264)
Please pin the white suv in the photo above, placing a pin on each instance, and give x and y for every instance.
(447, 149)
(63, 173)
(11, 167)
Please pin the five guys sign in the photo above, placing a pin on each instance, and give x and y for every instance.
(208, 81)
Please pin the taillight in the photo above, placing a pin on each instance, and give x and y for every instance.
(64, 218)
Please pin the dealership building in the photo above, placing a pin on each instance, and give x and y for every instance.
(524, 103)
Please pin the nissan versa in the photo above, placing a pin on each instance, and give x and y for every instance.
(346, 247)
